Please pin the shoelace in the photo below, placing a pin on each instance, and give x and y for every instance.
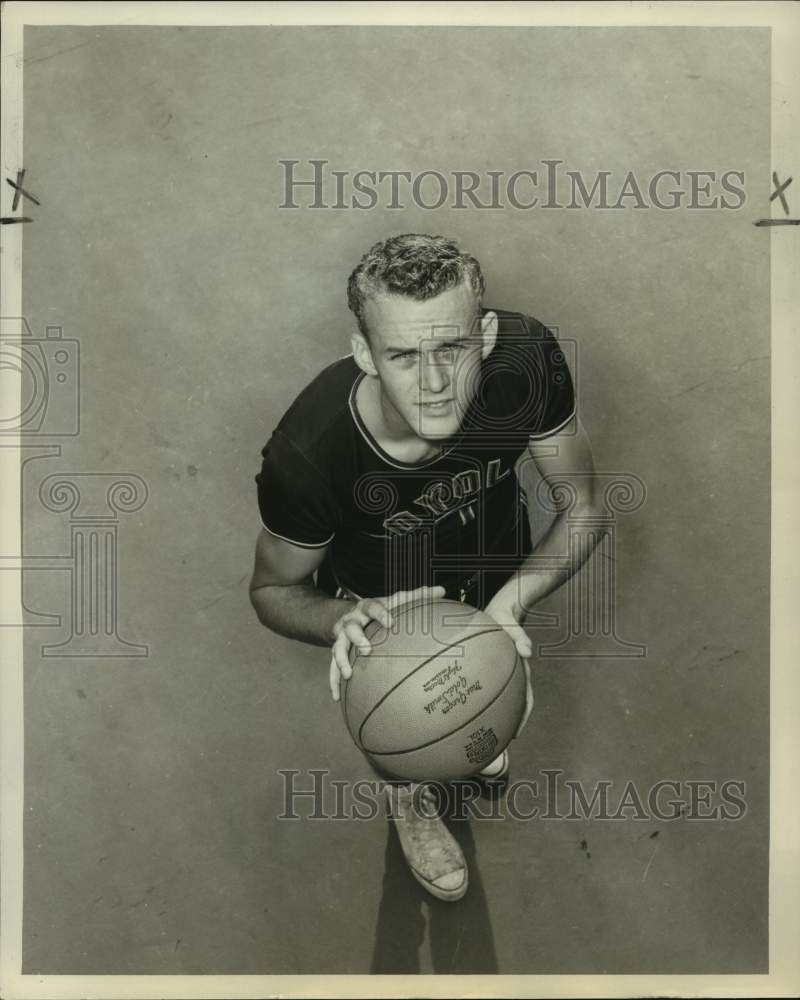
(425, 830)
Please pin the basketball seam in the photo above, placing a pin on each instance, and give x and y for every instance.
(402, 681)
(422, 746)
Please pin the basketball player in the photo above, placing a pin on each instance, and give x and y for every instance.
(392, 476)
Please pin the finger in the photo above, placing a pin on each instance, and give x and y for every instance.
(528, 692)
(529, 700)
(333, 679)
(521, 640)
(341, 655)
(427, 592)
(378, 611)
(356, 615)
(525, 716)
(354, 633)
(410, 596)
(396, 599)
(360, 615)
(353, 636)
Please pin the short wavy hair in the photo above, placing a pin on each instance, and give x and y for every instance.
(415, 265)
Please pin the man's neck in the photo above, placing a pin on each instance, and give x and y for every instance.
(391, 432)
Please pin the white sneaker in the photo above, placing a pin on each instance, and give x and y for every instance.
(497, 772)
(435, 859)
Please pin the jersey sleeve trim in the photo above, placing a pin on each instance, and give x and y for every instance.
(284, 509)
(293, 541)
(554, 430)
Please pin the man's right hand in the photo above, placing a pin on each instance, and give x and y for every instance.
(349, 629)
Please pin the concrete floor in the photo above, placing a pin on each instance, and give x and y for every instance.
(152, 786)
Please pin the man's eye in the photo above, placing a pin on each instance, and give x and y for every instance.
(447, 351)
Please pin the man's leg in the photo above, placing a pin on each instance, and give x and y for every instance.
(431, 851)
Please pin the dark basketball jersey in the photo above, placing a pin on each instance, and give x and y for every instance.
(458, 519)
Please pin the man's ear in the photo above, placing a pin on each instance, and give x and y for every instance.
(362, 355)
(489, 324)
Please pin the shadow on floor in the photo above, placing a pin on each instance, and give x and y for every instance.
(460, 934)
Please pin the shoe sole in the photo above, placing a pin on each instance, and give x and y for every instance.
(496, 779)
(446, 895)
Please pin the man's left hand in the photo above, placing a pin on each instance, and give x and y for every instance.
(510, 616)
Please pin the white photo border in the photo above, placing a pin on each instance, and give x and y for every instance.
(784, 918)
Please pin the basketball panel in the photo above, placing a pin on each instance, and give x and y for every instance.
(419, 631)
(440, 696)
(464, 752)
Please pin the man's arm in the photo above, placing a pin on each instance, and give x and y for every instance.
(565, 455)
(284, 596)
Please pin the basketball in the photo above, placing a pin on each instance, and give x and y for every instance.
(440, 695)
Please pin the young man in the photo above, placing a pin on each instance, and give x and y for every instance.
(393, 473)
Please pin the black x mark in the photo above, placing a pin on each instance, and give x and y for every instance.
(779, 189)
(20, 190)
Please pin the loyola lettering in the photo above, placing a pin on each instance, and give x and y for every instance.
(446, 497)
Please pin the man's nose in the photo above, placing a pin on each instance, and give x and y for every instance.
(434, 375)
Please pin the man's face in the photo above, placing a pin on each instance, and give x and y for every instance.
(427, 356)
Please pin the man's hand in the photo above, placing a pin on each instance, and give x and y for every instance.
(349, 629)
(510, 616)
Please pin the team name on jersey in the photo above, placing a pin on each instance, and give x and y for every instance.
(448, 496)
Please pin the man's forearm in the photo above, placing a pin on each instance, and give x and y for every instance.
(554, 560)
(299, 612)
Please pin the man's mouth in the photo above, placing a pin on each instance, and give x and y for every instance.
(441, 404)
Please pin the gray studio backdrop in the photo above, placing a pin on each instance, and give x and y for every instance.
(201, 308)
